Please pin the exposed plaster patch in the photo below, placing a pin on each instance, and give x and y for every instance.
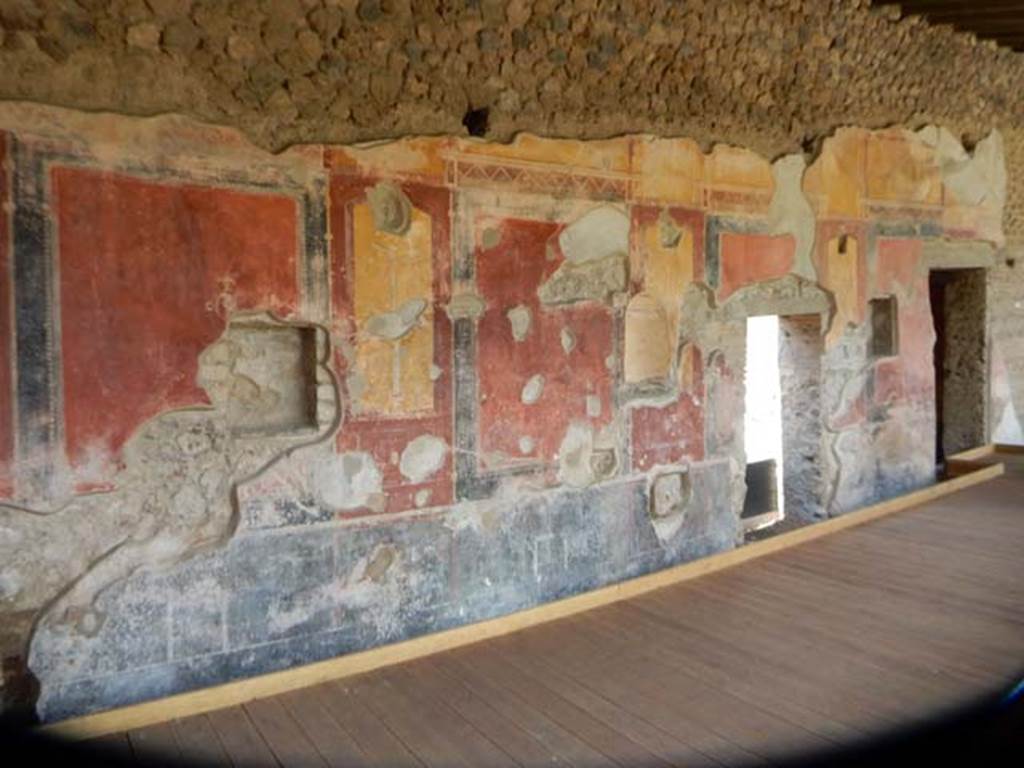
(176, 495)
(422, 457)
(957, 254)
(567, 339)
(532, 389)
(395, 325)
(790, 214)
(345, 481)
(584, 457)
(465, 305)
(589, 280)
(519, 319)
(789, 295)
(595, 236)
(669, 234)
(391, 209)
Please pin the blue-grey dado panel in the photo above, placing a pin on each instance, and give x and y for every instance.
(275, 599)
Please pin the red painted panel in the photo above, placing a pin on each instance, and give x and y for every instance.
(899, 272)
(897, 266)
(747, 259)
(146, 270)
(673, 433)
(6, 347)
(508, 275)
(385, 438)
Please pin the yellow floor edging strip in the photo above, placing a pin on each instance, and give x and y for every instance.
(241, 691)
(972, 454)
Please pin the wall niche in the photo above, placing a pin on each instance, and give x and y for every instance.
(264, 375)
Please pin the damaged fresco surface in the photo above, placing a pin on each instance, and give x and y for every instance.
(269, 409)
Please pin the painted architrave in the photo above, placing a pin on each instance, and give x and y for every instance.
(36, 239)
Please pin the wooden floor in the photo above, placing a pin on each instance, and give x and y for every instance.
(816, 647)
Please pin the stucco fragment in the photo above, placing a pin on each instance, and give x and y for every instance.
(593, 280)
(789, 295)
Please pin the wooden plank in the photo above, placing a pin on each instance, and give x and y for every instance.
(1010, 449)
(240, 739)
(814, 686)
(894, 617)
(114, 747)
(761, 728)
(333, 742)
(379, 744)
(677, 655)
(282, 734)
(155, 744)
(615, 743)
(198, 742)
(643, 692)
(845, 629)
(518, 743)
(261, 686)
(440, 739)
(555, 674)
(564, 744)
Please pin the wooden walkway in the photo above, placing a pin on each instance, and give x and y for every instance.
(813, 648)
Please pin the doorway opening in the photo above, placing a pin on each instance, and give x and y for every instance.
(958, 313)
(782, 421)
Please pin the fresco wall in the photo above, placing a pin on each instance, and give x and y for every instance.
(268, 409)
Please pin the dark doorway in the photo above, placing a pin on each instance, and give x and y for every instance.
(958, 312)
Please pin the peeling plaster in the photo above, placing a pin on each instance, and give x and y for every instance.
(176, 496)
(791, 214)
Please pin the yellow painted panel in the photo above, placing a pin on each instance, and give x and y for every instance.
(390, 270)
(667, 271)
(834, 182)
(901, 168)
(843, 279)
(418, 156)
(733, 167)
(670, 171)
